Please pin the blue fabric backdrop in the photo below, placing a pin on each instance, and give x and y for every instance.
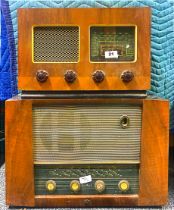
(162, 41)
(8, 70)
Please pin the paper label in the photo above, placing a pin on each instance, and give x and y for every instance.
(111, 54)
(85, 179)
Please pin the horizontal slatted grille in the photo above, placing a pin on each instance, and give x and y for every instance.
(86, 134)
(56, 44)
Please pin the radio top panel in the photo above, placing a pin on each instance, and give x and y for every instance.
(84, 49)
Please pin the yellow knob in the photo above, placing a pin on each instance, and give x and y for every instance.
(51, 185)
(99, 186)
(75, 186)
(123, 185)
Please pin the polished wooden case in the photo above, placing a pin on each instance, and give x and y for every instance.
(153, 177)
(84, 18)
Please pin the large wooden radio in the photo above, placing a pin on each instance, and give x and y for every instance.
(83, 153)
(84, 49)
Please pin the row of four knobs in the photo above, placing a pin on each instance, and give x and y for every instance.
(75, 186)
(70, 76)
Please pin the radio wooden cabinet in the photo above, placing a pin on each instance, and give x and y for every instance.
(84, 49)
(86, 153)
(83, 133)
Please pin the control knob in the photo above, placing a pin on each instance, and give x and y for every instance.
(127, 76)
(99, 186)
(75, 186)
(98, 76)
(123, 185)
(70, 76)
(41, 75)
(51, 186)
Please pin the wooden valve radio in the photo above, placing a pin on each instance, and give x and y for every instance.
(84, 49)
(91, 152)
(71, 139)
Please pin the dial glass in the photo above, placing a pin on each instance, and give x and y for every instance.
(112, 43)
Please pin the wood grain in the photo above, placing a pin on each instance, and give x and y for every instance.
(86, 201)
(18, 153)
(27, 18)
(154, 153)
(153, 159)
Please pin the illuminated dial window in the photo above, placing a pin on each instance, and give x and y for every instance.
(112, 43)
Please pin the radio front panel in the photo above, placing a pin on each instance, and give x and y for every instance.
(111, 176)
(84, 153)
(84, 49)
(100, 136)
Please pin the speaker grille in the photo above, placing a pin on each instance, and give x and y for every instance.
(56, 44)
(86, 134)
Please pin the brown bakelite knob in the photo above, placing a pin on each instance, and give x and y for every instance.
(41, 75)
(127, 76)
(70, 76)
(98, 76)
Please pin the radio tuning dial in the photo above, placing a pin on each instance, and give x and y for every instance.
(51, 186)
(127, 76)
(70, 76)
(41, 75)
(75, 186)
(98, 76)
(123, 185)
(99, 186)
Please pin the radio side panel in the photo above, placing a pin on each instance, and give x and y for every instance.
(154, 153)
(19, 160)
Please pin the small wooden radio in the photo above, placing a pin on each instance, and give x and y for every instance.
(84, 49)
(83, 153)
